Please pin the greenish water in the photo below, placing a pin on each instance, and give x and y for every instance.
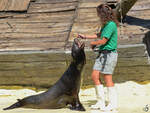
(41, 70)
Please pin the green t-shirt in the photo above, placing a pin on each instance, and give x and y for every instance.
(109, 31)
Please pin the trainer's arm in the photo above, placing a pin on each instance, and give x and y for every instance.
(91, 36)
(87, 36)
(99, 42)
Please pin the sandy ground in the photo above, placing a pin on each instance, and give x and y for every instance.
(132, 98)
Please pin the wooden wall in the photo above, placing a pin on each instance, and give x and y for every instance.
(44, 26)
(14, 5)
(53, 24)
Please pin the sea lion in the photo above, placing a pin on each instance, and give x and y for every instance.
(64, 91)
(146, 41)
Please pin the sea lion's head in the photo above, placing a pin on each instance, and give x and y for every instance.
(77, 53)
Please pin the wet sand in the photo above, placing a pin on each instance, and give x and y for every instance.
(132, 98)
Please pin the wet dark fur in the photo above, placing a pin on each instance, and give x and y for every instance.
(64, 91)
(146, 41)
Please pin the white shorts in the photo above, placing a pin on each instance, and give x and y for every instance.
(106, 62)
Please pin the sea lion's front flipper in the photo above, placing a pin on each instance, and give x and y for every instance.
(76, 105)
(18, 100)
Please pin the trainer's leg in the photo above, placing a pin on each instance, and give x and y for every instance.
(108, 80)
(112, 94)
(99, 91)
(96, 77)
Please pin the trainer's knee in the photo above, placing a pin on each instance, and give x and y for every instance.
(108, 80)
(95, 76)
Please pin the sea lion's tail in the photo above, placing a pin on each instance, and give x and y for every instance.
(15, 105)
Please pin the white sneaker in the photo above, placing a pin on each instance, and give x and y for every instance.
(99, 105)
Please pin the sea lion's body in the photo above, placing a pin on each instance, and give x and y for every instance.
(64, 91)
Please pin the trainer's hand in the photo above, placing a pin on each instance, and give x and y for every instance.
(81, 36)
(93, 45)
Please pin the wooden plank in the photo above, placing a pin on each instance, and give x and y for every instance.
(138, 28)
(83, 28)
(59, 38)
(85, 24)
(145, 6)
(33, 39)
(91, 1)
(36, 8)
(3, 4)
(87, 10)
(8, 46)
(141, 2)
(10, 14)
(14, 5)
(4, 26)
(89, 4)
(83, 17)
(38, 20)
(140, 13)
(36, 30)
(35, 15)
(33, 25)
(128, 31)
(12, 41)
(18, 5)
(46, 15)
(27, 36)
(55, 1)
(87, 18)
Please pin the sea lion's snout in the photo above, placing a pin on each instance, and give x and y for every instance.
(78, 51)
(79, 43)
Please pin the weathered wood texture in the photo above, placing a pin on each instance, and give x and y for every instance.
(56, 1)
(52, 20)
(36, 7)
(135, 25)
(45, 26)
(14, 5)
(86, 21)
